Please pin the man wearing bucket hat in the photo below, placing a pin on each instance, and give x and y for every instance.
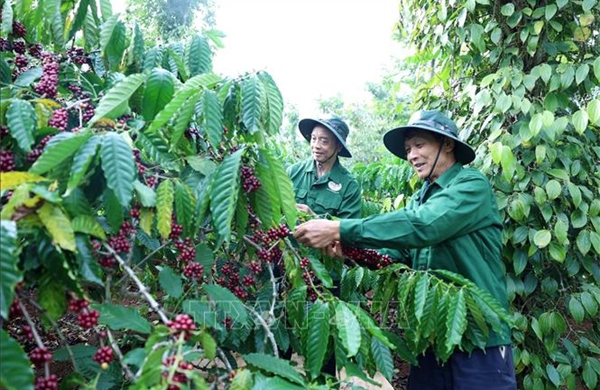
(322, 185)
(453, 223)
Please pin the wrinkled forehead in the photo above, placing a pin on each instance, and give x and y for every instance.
(420, 133)
(320, 131)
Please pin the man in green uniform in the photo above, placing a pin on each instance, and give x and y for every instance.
(322, 185)
(453, 223)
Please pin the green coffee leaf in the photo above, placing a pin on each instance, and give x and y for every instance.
(58, 225)
(159, 91)
(119, 317)
(317, 337)
(383, 358)
(165, 196)
(321, 272)
(227, 302)
(17, 371)
(118, 166)
(88, 224)
(81, 162)
(170, 282)
(251, 104)
(118, 95)
(224, 193)
(348, 329)
(274, 365)
(10, 274)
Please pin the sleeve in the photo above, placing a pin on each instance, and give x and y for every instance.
(451, 211)
(351, 206)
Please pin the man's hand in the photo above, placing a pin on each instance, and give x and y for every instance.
(334, 250)
(318, 233)
(304, 208)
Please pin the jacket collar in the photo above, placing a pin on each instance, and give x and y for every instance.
(336, 173)
(446, 177)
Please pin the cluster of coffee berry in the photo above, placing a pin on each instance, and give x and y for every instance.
(309, 278)
(103, 356)
(37, 151)
(87, 318)
(176, 229)
(250, 183)
(121, 242)
(48, 84)
(77, 55)
(179, 374)
(270, 251)
(368, 257)
(59, 119)
(46, 383)
(186, 251)
(40, 356)
(7, 161)
(230, 279)
(182, 326)
(15, 309)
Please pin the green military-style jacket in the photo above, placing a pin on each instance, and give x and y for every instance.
(335, 194)
(456, 227)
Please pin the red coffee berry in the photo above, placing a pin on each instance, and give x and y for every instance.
(15, 310)
(182, 324)
(255, 267)
(107, 261)
(39, 356)
(179, 376)
(76, 305)
(88, 318)
(176, 230)
(19, 29)
(27, 332)
(35, 50)
(59, 119)
(193, 270)
(228, 322)
(48, 84)
(19, 46)
(250, 183)
(248, 281)
(304, 263)
(7, 161)
(103, 355)
(49, 383)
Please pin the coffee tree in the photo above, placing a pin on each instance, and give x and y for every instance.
(522, 79)
(145, 226)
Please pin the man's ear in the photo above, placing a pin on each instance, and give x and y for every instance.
(448, 144)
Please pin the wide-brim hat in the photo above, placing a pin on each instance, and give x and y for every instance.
(338, 127)
(430, 120)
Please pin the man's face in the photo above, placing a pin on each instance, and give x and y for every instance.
(323, 144)
(421, 149)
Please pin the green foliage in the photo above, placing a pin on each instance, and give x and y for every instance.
(16, 370)
(522, 82)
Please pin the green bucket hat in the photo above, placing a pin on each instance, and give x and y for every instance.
(430, 120)
(338, 127)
